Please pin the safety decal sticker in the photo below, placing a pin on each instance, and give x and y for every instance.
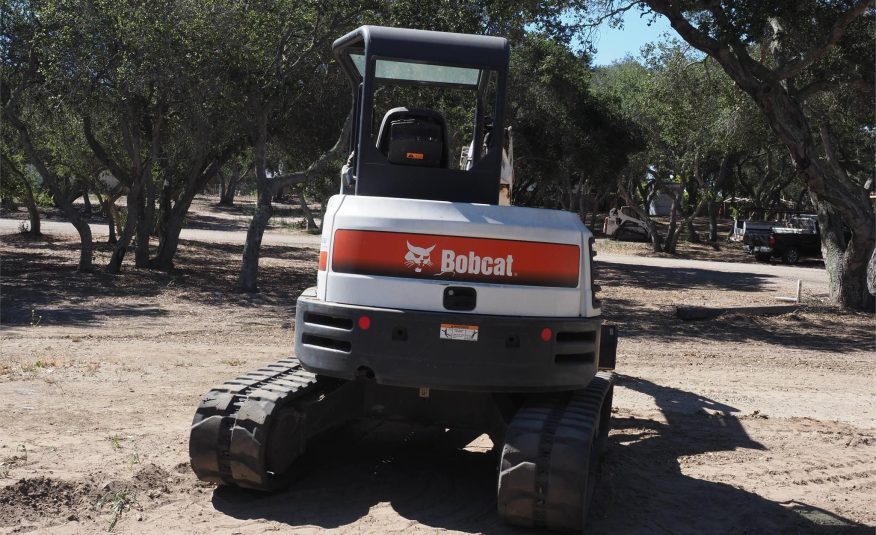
(467, 333)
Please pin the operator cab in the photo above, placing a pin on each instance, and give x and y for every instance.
(425, 105)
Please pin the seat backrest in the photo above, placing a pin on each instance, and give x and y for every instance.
(414, 136)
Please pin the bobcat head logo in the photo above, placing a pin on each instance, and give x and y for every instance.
(418, 257)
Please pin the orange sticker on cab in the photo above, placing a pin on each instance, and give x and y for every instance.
(414, 155)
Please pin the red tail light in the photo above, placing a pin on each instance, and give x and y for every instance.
(772, 241)
(323, 260)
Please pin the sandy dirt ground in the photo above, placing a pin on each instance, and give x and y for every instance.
(743, 424)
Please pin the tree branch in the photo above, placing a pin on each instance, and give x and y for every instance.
(692, 35)
(737, 61)
(278, 183)
(101, 152)
(50, 179)
(793, 68)
(829, 151)
(808, 91)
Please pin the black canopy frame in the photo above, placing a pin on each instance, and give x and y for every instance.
(374, 174)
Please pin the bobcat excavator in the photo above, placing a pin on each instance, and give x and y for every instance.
(433, 303)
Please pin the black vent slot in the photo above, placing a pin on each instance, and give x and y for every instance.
(576, 358)
(566, 337)
(325, 343)
(329, 321)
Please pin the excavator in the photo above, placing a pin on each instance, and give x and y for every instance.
(435, 302)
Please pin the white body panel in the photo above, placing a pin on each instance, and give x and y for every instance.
(455, 219)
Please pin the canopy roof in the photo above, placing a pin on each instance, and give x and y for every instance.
(451, 58)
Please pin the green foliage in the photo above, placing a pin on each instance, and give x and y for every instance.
(693, 118)
(182, 88)
(563, 135)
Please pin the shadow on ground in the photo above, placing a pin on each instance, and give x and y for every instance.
(680, 278)
(433, 483)
(638, 319)
(39, 279)
(833, 332)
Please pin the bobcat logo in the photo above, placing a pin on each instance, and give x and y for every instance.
(418, 257)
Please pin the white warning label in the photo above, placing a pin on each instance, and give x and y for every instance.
(450, 331)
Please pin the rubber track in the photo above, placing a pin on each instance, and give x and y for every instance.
(545, 475)
(230, 437)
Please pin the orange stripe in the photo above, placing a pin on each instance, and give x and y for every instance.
(397, 254)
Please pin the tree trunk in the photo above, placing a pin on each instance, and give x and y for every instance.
(692, 236)
(33, 213)
(594, 208)
(713, 223)
(165, 207)
(674, 230)
(174, 213)
(229, 190)
(115, 215)
(693, 191)
(172, 227)
(657, 243)
(111, 219)
(170, 241)
(249, 271)
(86, 200)
(308, 214)
(146, 224)
(871, 274)
(133, 201)
(86, 249)
(837, 199)
(267, 188)
(674, 233)
(846, 262)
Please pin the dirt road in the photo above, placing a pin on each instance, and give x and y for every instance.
(100, 232)
(737, 425)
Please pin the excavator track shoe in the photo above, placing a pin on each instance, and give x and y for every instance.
(550, 458)
(231, 440)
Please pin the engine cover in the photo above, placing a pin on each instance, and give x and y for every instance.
(403, 253)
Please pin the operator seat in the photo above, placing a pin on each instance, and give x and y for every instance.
(414, 136)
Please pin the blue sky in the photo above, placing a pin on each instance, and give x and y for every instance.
(613, 44)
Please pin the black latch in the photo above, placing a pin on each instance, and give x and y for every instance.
(460, 298)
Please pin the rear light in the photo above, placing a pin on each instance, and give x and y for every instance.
(546, 334)
(772, 241)
(364, 323)
(323, 260)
